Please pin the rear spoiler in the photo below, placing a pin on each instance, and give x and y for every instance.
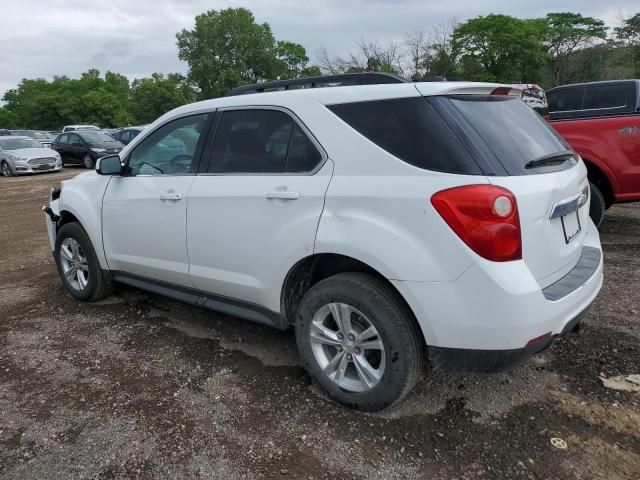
(469, 88)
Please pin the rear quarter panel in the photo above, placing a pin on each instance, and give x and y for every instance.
(613, 145)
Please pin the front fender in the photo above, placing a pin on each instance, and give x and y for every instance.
(82, 198)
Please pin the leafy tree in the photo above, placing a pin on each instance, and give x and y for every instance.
(629, 34)
(566, 33)
(227, 48)
(152, 97)
(41, 104)
(506, 48)
(293, 62)
(8, 119)
(104, 108)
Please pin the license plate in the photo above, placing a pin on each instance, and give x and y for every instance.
(570, 226)
(45, 166)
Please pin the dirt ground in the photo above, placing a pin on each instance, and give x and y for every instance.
(139, 386)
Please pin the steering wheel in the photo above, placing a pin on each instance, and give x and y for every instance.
(180, 163)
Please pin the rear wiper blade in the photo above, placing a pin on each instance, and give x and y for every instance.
(551, 159)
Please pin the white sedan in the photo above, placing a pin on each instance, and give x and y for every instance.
(22, 155)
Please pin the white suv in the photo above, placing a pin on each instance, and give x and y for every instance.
(387, 224)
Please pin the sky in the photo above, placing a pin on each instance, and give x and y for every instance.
(43, 38)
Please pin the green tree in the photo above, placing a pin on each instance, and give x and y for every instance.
(49, 105)
(152, 97)
(564, 34)
(104, 108)
(507, 49)
(227, 48)
(8, 119)
(629, 34)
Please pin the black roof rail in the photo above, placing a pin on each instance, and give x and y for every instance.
(364, 78)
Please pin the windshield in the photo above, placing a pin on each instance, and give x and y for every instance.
(18, 143)
(32, 134)
(95, 137)
(512, 131)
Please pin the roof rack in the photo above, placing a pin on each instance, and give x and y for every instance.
(365, 78)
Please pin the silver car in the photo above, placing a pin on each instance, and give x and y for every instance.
(21, 155)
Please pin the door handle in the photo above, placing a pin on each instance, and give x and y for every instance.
(283, 195)
(171, 196)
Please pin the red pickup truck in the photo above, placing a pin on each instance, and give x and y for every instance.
(601, 121)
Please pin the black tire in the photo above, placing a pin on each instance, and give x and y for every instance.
(99, 283)
(88, 162)
(402, 340)
(6, 169)
(597, 205)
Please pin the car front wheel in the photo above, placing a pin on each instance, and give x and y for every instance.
(88, 162)
(6, 169)
(358, 341)
(78, 265)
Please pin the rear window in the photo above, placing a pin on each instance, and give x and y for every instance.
(411, 130)
(512, 131)
(620, 96)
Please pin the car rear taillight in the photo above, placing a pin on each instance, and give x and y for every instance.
(485, 217)
(501, 91)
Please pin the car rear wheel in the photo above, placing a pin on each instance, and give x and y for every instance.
(6, 169)
(78, 265)
(597, 206)
(88, 162)
(358, 341)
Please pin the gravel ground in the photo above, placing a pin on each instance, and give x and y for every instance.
(139, 386)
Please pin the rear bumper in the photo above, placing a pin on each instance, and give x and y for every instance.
(493, 311)
(495, 361)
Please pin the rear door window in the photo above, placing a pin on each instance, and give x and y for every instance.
(261, 141)
(513, 132)
(411, 130)
(612, 98)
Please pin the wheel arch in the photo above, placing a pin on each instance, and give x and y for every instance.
(599, 177)
(312, 269)
(69, 215)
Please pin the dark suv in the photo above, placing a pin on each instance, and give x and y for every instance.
(84, 147)
(127, 134)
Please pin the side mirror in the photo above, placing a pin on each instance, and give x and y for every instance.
(110, 165)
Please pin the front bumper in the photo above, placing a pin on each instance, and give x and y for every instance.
(486, 319)
(26, 169)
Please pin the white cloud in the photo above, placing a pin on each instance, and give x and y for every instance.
(43, 38)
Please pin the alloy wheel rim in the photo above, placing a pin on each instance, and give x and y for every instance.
(347, 347)
(5, 170)
(87, 161)
(74, 264)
